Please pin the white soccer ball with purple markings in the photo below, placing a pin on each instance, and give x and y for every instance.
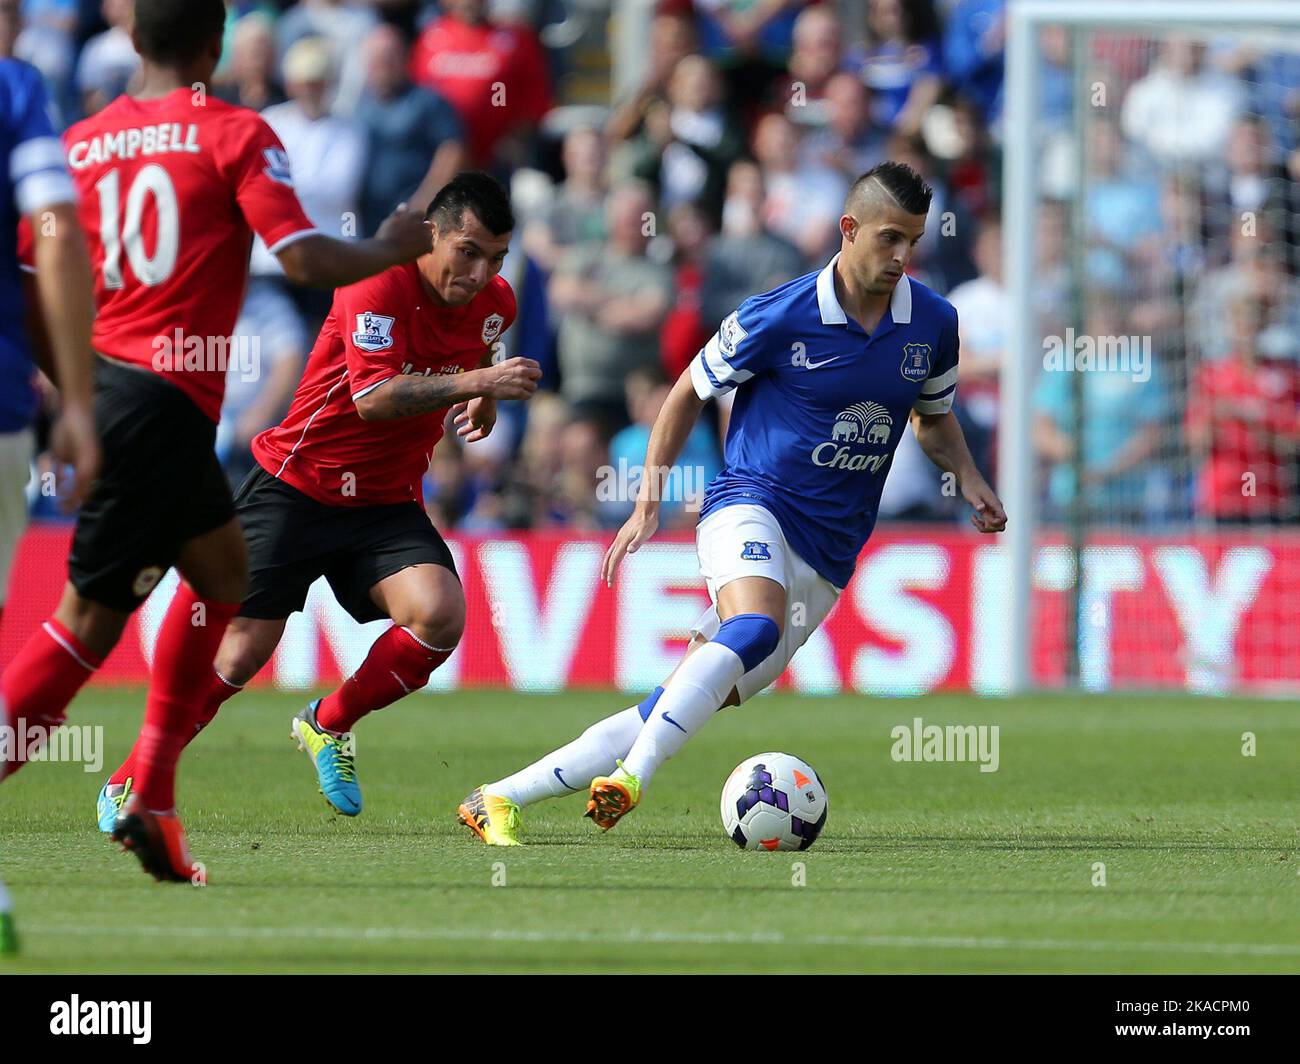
(773, 802)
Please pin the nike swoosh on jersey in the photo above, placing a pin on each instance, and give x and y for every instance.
(823, 362)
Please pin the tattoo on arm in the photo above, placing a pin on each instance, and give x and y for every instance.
(410, 395)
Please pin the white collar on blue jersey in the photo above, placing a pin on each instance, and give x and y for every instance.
(900, 303)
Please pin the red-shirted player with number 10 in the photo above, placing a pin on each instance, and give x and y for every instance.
(337, 489)
(171, 185)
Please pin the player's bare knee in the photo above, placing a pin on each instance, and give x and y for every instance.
(243, 653)
(220, 585)
(215, 564)
(231, 589)
(238, 665)
(441, 629)
(95, 626)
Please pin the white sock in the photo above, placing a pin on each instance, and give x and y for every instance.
(696, 691)
(572, 767)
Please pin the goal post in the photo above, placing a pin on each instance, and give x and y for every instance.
(1041, 549)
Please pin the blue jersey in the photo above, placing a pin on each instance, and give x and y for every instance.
(820, 407)
(35, 177)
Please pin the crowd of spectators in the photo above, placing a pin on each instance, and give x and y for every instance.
(722, 171)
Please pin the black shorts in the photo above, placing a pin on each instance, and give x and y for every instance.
(293, 540)
(160, 485)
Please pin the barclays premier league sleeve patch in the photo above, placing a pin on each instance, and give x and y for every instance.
(374, 331)
(730, 334)
(277, 166)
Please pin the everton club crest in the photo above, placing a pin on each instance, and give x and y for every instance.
(916, 362)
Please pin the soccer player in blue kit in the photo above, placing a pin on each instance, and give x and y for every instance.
(827, 369)
(38, 188)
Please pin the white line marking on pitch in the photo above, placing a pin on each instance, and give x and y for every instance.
(704, 938)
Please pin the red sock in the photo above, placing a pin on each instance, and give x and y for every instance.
(42, 679)
(397, 664)
(205, 702)
(182, 663)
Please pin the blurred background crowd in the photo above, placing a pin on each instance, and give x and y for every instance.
(668, 159)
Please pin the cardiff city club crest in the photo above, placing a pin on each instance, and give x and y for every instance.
(492, 327)
(916, 362)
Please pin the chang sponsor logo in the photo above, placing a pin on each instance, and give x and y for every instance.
(857, 429)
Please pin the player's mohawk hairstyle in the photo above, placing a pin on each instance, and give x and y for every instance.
(888, 182)
(177, 31)
(479, 192)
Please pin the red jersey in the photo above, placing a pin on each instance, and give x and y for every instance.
(377, 329)
(495, 77)
(169, 193)
(1238, 444)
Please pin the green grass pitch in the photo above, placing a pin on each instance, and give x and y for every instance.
(927, 867)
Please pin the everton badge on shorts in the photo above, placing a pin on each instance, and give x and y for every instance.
(492, 327)
(756, 551)
(916, 362)
(374, 331)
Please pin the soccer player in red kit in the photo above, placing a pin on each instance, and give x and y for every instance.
(337, 489)
(171, 185)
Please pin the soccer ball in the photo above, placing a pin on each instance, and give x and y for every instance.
(773, 802)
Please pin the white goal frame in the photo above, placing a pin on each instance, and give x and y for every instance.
(1020, 201)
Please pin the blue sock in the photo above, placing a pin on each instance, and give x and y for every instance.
(753, 637)
(647, 707)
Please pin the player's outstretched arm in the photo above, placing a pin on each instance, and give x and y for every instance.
(324, 262)
(944, 443)
(407, 395)
(64, 287)
(676, 419)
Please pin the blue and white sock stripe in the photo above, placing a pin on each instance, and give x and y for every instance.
(750, 636)
(648, 706)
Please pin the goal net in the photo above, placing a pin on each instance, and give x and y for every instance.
(1151, 395)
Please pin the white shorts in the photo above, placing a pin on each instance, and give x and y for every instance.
(15, 472)
(746, 540)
